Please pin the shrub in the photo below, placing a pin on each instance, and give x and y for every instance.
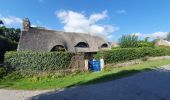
(6, 45)
(2, 56)
(125, 54)
(145, 44)
(2, 72)
(165, 47)
(28, 63)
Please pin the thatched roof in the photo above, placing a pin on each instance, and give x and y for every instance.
(39, 39)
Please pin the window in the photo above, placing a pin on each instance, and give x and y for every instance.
(58, 48)
(82, 45)
(104, 45)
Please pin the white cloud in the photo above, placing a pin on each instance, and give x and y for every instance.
(97, 16)
(78, 22)
(157, 35)
(121, 11)
(152, 35)
(138, 34)
(33, 25)
(11, 20)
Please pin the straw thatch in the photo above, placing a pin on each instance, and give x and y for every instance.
(40, 39)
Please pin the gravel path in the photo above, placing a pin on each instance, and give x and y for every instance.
(152, 85)
(18, 94)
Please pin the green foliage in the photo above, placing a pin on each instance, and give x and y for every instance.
(3, 72)
(10, 33)
(28, 63)
(167, 48)
(1, 56)
(12, 76)
(76, 79)
(125, 54)
(127, 41)
(132, 41)
(6, 45)
(145, 44)
(8, 40)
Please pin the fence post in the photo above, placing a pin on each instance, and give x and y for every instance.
(86, 65)
(102, 63)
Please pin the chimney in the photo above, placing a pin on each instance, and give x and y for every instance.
(26, 24)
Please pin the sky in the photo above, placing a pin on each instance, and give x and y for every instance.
(106, 18)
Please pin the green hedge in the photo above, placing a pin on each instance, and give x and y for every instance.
(26, 62)
(6, 45)
(125, 54)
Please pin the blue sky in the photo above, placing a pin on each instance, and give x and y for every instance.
(108, 18)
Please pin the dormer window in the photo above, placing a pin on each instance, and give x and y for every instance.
(105, 45)
(82, 45)
(58, 48)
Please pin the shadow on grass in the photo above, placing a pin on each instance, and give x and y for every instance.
(110, 77)
(105, 78)
(123, 89)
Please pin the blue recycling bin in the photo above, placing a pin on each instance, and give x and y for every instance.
(94, 65)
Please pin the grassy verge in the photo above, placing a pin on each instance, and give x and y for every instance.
(81, 78)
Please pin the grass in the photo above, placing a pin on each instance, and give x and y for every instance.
(82, 78)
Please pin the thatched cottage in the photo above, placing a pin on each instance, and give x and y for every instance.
(41, 39)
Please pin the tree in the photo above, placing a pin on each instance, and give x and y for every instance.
(10, 33)
(6, 45)
(127, 41)
(132, 41)
(8, 40)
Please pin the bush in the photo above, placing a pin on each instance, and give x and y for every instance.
(6, 45)
(125, 54)
(28, 63)
(2, 56)
(145, 44)
(167, 48)
(3, 71)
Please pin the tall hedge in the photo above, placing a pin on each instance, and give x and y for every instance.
(125, 54)
(6, 45)
(27, 62)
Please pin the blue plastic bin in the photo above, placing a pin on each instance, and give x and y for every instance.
(94, 65)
